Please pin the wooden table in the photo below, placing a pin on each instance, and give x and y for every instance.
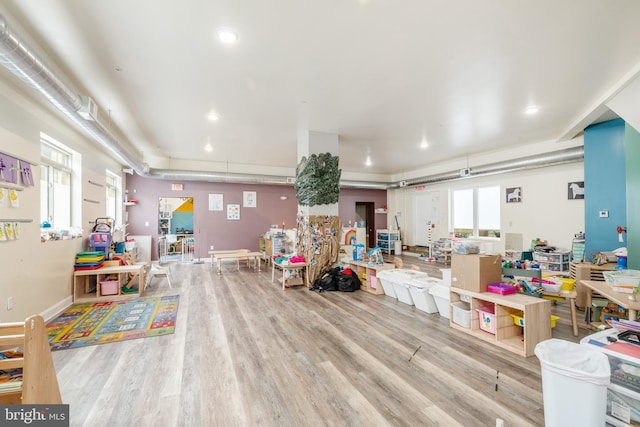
(238, 255)
(304, 266)
(604, 289)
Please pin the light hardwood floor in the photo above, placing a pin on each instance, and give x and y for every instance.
(247, 353)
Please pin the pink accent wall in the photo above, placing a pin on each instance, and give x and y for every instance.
(212, 227)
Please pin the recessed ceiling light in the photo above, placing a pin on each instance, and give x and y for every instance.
(531, 109)
(208, 148)
(227, 36)
(213, 116)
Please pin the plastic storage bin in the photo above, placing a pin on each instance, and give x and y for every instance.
(419, 290)
(108, 287)
(465, 247)
(446, 276)
(388, 279)
(402, 292)
(573, 376)
(519, 320)
(462, 313)
(623, 395)
(487, 318)
(442, 297)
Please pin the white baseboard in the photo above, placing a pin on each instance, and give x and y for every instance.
(56, 309)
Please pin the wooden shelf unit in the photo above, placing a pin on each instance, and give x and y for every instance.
(586, 271)
(536, 313)
(365, 273)
(86, 283)
(39, 381)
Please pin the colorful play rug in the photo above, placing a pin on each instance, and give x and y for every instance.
(105, 322)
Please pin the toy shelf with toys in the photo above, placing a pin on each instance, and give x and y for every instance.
(367, 270)
(367, 274)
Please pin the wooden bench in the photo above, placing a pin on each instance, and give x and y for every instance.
(237, 255)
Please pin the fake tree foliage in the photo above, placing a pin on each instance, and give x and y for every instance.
(318, 180)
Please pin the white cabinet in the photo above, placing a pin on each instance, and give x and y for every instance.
(623, 394)
(386, 240)
(552, 261)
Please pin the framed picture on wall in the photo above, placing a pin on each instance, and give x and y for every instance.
(233, 212)
(249, 199)
(215, 202)
(514, 195)
(575, 190)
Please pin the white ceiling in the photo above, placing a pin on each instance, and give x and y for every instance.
(382, 74)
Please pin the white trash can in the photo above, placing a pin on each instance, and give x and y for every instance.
(574, 384)
(397, 247)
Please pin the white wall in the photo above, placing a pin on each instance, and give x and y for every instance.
(38, 275)
(545, 212)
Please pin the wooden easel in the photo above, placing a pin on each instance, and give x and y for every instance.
(39, 381)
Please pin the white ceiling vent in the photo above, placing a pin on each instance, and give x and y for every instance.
(89, 109)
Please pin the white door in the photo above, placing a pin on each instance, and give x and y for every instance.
(423, 212)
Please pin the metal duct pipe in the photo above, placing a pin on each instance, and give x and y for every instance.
(186, 175)
(17, 57)
(21, 60)
(570, 155)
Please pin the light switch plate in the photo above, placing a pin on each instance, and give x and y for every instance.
(604, 214)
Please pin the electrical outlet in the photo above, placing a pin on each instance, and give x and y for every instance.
(211, 248)
(9, 303)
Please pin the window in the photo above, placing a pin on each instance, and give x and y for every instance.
(476, 212)
(114, 189)
(56, 183)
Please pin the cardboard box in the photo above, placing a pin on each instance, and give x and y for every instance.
(475, 272)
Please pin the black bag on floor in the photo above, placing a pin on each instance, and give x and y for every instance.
(348, 281)
(328, 281)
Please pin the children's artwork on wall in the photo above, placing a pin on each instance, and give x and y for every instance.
(215, 202)
(249, 199)
(13, 198)
(233, 212)
(576, 190)
(514, 194)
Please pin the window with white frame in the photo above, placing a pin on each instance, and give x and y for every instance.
(476, 212)
(114, 189)
(55, 180)
(56, 183)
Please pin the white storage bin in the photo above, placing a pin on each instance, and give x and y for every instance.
(442, 296)
(402, 291)
(462, 313)
(623, 394)
(388, 279)
(419, 289)
(446, 276)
